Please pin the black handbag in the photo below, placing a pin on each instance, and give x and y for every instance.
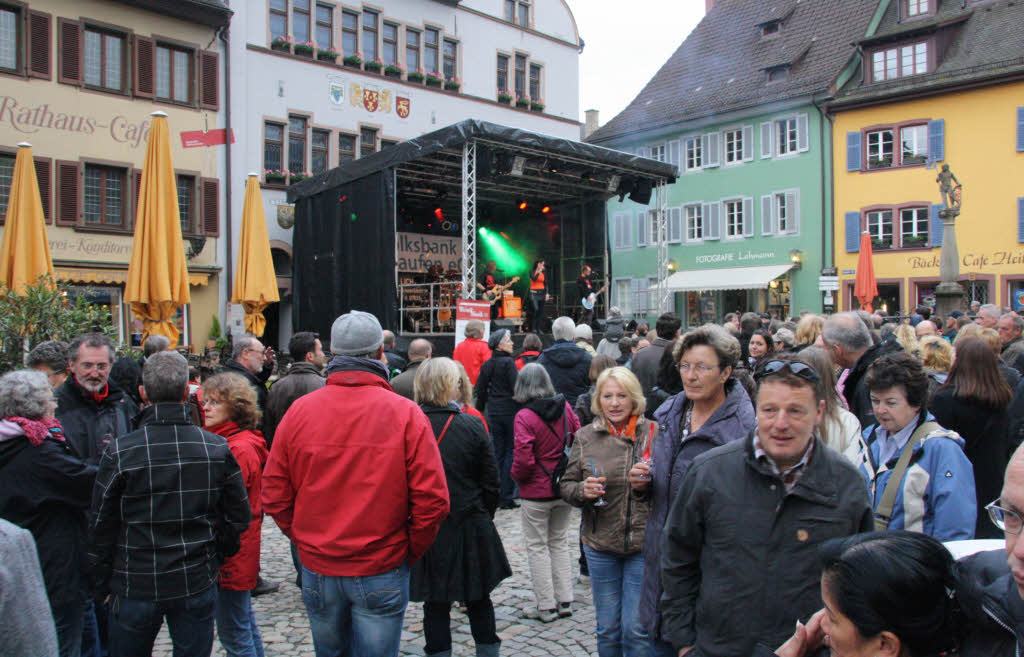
(563, 460)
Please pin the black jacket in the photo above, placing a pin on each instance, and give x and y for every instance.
(855, 388)
(45, 489)
(396, 361)
(992, 605)
(646, 361)
(569, 369)
(168, 506)
(466, 560)
(496, 385)
(740, 555)
(89, 426)
(258, 381)
(301, 379)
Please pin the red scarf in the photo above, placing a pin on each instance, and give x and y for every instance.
(38, 430)
(629, 431)
(97, 397)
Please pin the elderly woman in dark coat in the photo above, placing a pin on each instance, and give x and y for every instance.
(467, 559)
(712, 409)
(46, 489)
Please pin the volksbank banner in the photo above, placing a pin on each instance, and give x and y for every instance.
(417, 253)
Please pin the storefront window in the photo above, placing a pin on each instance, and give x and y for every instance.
(181, 321)
(1016, 295)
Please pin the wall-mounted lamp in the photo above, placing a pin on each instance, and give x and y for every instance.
(796, 256)
(773, 284)
(671, 265)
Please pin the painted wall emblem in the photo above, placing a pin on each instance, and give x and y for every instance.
(371, 99)
(402, 107)
(337, 93)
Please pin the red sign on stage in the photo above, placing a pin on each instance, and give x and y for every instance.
(196, 138)
(467, 310)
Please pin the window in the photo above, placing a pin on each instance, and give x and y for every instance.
(9, 42)
(346, 147)
(658, 152)
(104, 60)
(520, 76)
(502, 74)
(914, 145)
(296, 144)
(694, 223)
(535, 82)
(734, 218)
(370, 36)
(733, 146)
(914, 59)
(524, 13)
(518, 11)
(324, 26)
(623, 295)
(451, 60)
(917, 7)
(390, 47)
(880, 149)
(771, 28)
(273, 146)
(787, 135)
(783, 212)
(510, 11)
(412, 50)
(913, 227)
(778, 74)
(104, 202)
(879, 225)
(319, 159)
(367, 141)
(349, 33)
(278, 19)
(300, 20)
(6, 176)
(186, 203)
(622, 231)
(902, 61)
(431, 43)
(694, 153)
(173, 74)
(783, 136)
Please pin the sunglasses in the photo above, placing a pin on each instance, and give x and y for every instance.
(802, 370)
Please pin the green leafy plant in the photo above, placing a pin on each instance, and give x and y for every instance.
(536, 107)
(215, 330)
(352, 60)
(375, 65)
(504, 98)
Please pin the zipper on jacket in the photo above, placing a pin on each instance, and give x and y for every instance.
(629, 501)
(1006, 627)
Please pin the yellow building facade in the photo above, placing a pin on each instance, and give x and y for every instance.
(80, 86)
(978, 131)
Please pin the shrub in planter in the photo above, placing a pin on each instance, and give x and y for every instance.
(375, 66)
(393, 71)
(434, 79)
(504, 98)
(416, 76)
(536, 107)
(275, 175)
(304, 48)
(352, 60)
(298, 177)
(282, 43)
(328, 55)
(522, 102)
(452, 84)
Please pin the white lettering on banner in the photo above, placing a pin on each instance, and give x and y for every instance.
(417, 253)
(467, 310)
(715, 257)
(730, 257)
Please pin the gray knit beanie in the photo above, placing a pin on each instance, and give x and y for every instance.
(496, 338)
(356, 333)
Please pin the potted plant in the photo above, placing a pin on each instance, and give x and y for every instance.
(393, 71)
(522, 102)
(536, 107)
(374, 66)
(416, 76)
(504, 98)
(300, 176)
(434, 79)
(355, 61)
(304, 48)
(327, 55)
(914, 240)
(275, 176)
(452, 84)
(282, 43)
(215, 332)
(880, 244)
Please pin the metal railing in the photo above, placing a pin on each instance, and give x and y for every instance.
(427, 308)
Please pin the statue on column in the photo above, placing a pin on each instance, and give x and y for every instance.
(951, 196)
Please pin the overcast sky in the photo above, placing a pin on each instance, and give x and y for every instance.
(624, 49)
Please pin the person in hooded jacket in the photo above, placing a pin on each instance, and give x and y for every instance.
(667, 383)
(614, 330)
(543, 430)
(46, 489)
(712, 410)
(567, 364)
(532, 347)
(467, 560)
(495, 396)
(231, 410)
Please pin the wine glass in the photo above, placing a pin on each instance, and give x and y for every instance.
(647, 458)
(598, 473)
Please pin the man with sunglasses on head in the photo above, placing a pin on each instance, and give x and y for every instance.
(739, 553)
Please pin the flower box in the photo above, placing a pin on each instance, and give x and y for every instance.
(522, 102)
(352, 60)
(452, 85)
(415, 76)
(282, 44)
(275, 177)
(328, 55)
(504, 98)
(393, 71)
(536, 107)
(375, 66)
(304, 48)
(299, 177)
(434, 80)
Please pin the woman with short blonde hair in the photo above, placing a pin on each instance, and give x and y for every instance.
(936, 354)
(437, 382)
(808, 329)
(628, 382)
(907, 338)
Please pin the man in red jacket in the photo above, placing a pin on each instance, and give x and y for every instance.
(355, 480)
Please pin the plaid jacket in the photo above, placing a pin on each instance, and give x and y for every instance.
(168, 506)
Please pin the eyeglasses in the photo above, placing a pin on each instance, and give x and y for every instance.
(802, 370)
(1005, 519)
(700, 368)
(211, 402)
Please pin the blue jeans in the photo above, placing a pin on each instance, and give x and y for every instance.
(659, 648)
(616, 581)
(503, 436)
(356, 616)
(134, 624)
(94, 630)
(236, 624)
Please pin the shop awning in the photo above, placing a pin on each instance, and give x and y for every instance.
(733, 278)
(113, 276)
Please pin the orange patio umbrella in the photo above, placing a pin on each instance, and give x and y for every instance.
(255, 280)
(25, 253)
(865, 288)
(157, 275)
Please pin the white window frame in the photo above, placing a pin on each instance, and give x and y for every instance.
(784, 124)
(876, 152)
(622, 231)
(726, 162)
(699, 153)
(698, 231)
(624, 304)
(880, 225)
(917, 220)
(659, 152)
(726, 202)
(676, 229)
(801, 128)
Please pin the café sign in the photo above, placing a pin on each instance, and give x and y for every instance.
(30, 119)
(972, 260)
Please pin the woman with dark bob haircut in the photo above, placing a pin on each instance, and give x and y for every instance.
(885, 593)
(935, 490)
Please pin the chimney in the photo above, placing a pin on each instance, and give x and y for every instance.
(592, 122)
(708, 4)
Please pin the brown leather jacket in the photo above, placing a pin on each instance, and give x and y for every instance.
(619, 526)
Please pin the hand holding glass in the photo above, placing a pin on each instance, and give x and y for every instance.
(599, 480)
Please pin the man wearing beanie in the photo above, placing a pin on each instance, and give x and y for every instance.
(355, 480)
(495, 396)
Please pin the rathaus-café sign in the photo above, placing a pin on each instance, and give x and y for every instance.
(30, 119)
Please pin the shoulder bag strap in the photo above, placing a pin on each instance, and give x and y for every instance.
(443, 431)
(883, 513)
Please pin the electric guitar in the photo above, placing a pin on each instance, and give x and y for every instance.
(589, 300)
(493, 294)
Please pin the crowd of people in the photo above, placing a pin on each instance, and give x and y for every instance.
(733, 480)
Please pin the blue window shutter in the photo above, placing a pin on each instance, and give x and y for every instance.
(1020, 219)
(852, 232)
(935, 225)
(853, 157)
(1020, 129)
(937, 140)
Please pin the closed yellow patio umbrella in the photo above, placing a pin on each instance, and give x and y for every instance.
(255, 280)
(157, 275)
(25, 253)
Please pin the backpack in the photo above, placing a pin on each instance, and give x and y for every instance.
(563, 460)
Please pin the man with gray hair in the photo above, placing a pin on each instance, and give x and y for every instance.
(988, 316)
(420, 351)
(168, 507)
(849, 340)
(50, 358)
(567, 364)
(254, 363)
(1010, 327)
(155, 344)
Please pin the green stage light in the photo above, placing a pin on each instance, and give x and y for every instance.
(499, 250)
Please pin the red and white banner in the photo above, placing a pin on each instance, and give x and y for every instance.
(467, 310)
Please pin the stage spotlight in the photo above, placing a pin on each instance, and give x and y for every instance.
(518, 165)
(503, 163)
(439, 213)
(641, 192)
(546, 209)
(522, 205)
(613, 183)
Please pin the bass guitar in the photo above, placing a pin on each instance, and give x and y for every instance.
(589, 300)
(493, 294)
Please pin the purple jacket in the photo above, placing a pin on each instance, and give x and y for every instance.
(536, 444)
(733, 420)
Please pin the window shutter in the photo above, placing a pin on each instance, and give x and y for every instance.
(748, 217)
(1020, 219)
(767, 222)
(673, 152)
(852, 232)
(39, 45)
(209, 80)
(69, 193)
(937, 140)
(1020, 129)
(69, 59)
(710, 147)
(44, 174)
(935, 229)
(793, 207)
(641, 229)
(853, 156)
(211, 206)
(136, 180)
(748, 143)
(675, 225)
(144, 67)
(766, 140)
(803, 142)
(712, 221)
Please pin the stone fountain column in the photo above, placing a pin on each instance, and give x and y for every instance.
(949, 294)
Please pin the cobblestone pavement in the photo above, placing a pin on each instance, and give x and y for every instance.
(282, 616)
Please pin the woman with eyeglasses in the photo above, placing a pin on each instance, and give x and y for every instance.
(917, 474)
(712, 409)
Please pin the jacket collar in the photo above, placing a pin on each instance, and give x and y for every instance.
(304, 367)
(115, 393)
(237, 367)
(816, 484)
(357, 378)
(498, 353)
(165, 413)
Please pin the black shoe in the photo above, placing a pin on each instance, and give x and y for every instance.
(263, 587)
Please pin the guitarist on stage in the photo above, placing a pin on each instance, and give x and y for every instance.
(586, 287)
(487, 283)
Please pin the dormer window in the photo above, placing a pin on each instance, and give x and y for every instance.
(771, 28)
(778, 73)
(900, 61)
(917, 7)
